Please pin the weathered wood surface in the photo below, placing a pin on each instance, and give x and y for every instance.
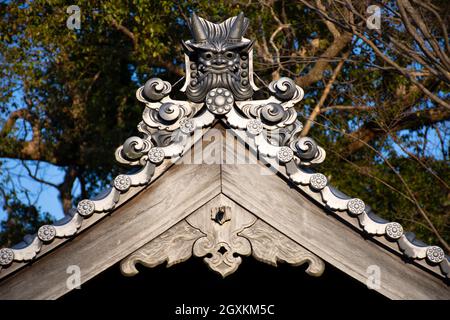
(185, 188)
(166, 202)
(159, 170)
(285, 208)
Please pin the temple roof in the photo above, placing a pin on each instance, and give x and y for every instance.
(278, 192)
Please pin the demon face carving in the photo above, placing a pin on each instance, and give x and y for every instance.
(218, 57)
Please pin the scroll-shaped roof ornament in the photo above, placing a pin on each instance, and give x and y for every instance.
(219, 85)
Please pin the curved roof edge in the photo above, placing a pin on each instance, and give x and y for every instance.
(168, 130)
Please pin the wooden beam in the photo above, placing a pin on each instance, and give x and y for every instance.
(182, 190)
(185, 188)
(282, 206)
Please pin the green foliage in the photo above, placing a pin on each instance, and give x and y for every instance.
(22, 219)
(78, 90)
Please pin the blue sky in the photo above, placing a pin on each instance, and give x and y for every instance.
(43, 196)
(13, 173)
(46, 197)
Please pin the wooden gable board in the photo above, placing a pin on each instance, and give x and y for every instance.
(185, 188)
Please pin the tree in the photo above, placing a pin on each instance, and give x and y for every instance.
(377, 100)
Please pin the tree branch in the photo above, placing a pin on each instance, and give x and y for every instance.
(330, 25)
(126, 32)
(170, 67)
(411, 155)
(431, 95)
(23, 150)
(316, 111)
(316, 73)
(34, 176)
(275, 48)
(347, 25)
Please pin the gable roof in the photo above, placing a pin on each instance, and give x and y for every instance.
(270, 129)
(184, 189)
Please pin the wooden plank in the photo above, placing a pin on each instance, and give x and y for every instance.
(183, 189)
(286, 209)
(159, 170)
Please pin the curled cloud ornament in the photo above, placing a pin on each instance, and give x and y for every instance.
(166, 115)
(155, 89)
(169, 112)
(283, 88)
(6, 256)
(272, 112)
(47, 233)
(134, 147)
(306, 148)
(122, 182)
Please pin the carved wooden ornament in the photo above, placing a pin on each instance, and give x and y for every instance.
(222, 236)
(219, 86)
